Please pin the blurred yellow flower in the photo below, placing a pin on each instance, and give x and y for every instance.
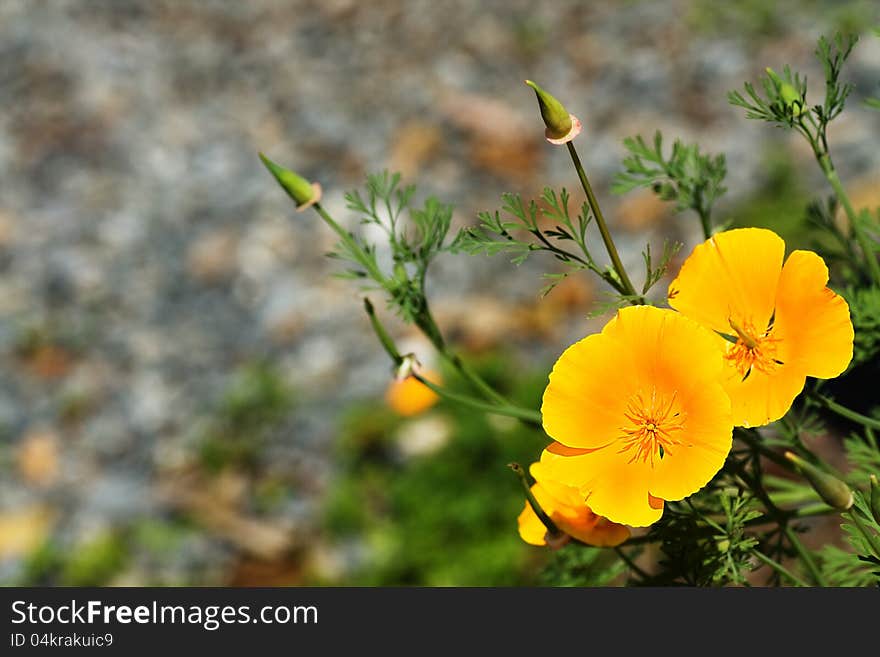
(409, 396)
(639, 414)
(781, 321)
(565, 506)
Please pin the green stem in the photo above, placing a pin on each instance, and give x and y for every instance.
(834, 180)
(778, 567)
(539, 511)
(603, 227)
(430, 329)
(793, 496)
(843, 411)
(805, 556)
(532, 417)
(347, 239)
(474, 378)
(705, 223)
(631, 564)
(525, 414)
(382, 334)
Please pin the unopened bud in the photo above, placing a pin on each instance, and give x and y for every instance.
(875, 499)
(790, 96)
(298, 188)
(832, 490)
(408, 366)
(562, 127)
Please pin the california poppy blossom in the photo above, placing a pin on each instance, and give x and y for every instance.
(776, 323)
(566, 508)
(638, 413)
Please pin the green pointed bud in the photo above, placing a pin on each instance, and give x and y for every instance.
(832, 490)
(777, 81)
(789, 95)
(303, 192)
(556, 117)
(875, 499)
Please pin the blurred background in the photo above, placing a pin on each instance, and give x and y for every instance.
(187, 395)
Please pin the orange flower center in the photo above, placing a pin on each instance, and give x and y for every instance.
(753, 350)
(653, 421)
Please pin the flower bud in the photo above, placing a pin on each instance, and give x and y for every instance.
(875, 499)
(298, 188)
(789, 95)
(408, 365)
(832, 490)
(562, 127)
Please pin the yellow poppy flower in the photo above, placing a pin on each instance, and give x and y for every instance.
(781, 321)
(566, 507)
(638, 414)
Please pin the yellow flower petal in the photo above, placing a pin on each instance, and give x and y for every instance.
(660, 347)
(763, 398)
(577, 408)
(687, 467)
(562, 494)
(732, 275)
(813, 321)
(613, 487)
(531, 529)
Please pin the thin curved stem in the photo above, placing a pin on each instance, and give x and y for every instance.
(819, 144)
(705, 222)
(429, 327)
(778, 567)
(845, 412)
(347, 239)
(546, 520)
(630, 563)
(805, 556)
(525, 414)
(603, 227)
(858, 233)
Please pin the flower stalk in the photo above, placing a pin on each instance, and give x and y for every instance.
(384, 339)
(819, 144)
(554, 532)
(525, 414)
(616, 263)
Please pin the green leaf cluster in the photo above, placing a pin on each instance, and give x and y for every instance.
(415, 237)
(691, 179)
